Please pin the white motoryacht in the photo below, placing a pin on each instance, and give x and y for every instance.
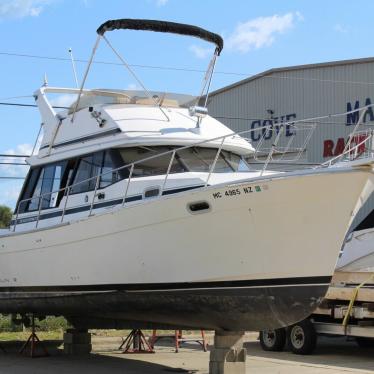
(140, 209)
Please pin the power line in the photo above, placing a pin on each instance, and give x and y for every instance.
(157, 67)
(22, 178)
(173, 68)
(22, 156)
(13, 163)
(16, 97)
(218, 117)
(31, 105)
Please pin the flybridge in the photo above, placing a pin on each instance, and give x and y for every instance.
(56, 123)
(156, 26)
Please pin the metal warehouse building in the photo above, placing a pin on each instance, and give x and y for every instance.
(299, 92)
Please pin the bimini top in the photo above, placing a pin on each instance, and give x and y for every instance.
(162, 26)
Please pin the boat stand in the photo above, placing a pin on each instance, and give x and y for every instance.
(136, 342)
(179, 339)
(228, 355)
(34, 342)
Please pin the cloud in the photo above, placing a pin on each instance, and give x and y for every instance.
(10, 191)
(15, 170)
(341, 28)
(10, 188)
(22, 8)
(161, 2)
(132, 87)
(260, 32)
(64, 100)
(200, 52)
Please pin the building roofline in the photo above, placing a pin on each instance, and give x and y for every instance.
(292, 68)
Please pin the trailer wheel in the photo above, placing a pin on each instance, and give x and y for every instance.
(273, 340)
(365, 342)
(302, 337)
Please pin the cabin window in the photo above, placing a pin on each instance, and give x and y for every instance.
(99, 163)
(34, 202)
(88, 167)
(194, 159)
(236, 162)
(153, 166)
(45, 182)
(201, 160)
(108, 176)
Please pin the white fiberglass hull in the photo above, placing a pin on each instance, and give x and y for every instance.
(261, 256)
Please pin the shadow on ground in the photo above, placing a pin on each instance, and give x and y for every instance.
(330, 351)
(112, 361)
(12, 363)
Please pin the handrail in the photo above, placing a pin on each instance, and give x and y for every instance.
(348, 151)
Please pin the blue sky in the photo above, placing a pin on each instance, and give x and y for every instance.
(258, 35)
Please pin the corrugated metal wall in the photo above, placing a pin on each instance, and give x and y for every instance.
(300, 93)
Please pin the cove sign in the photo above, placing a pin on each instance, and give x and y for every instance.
(274, 124)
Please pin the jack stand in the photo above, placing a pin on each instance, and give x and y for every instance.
(178, 339)
(139, 343)
(33, 340)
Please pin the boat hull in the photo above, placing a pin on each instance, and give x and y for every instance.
(261, 256)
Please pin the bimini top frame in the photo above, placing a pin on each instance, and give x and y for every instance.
(157, 26)
(162, 26)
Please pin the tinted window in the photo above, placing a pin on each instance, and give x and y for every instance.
(154, 166)
(197, 159)
(235, 161)
(108, 176)
(201, 160)
(47, 185)
(46, 180)
(88, 167)
(34, 203)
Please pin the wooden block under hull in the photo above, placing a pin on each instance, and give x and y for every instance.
(343, 286)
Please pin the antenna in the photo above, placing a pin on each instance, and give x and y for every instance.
(45, 81)
(73, 65)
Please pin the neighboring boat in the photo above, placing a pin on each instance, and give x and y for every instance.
(140, 210)
(357, 255)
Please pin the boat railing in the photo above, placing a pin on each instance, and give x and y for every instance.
(359, 144)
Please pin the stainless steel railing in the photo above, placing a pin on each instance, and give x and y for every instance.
(360, 146)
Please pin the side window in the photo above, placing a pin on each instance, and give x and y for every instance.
(47, 183)
(27, 189)
(109, 177)
(152, 166)
(88, 167)
(34, 202)
(56, 185)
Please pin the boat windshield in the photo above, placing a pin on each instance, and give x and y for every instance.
(195, 159)
(111, 97)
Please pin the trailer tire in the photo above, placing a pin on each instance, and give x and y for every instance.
(273, 340)
(365, 342)
(302, 337)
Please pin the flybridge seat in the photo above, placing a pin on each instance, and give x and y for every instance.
(112, 97)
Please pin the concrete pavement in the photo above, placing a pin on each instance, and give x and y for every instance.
(333, 356)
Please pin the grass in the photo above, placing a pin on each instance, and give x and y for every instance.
(23, 335)
(52, 328)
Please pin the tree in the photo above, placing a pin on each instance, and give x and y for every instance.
(5, 216)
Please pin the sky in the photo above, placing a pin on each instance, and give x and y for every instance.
(258, 35)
